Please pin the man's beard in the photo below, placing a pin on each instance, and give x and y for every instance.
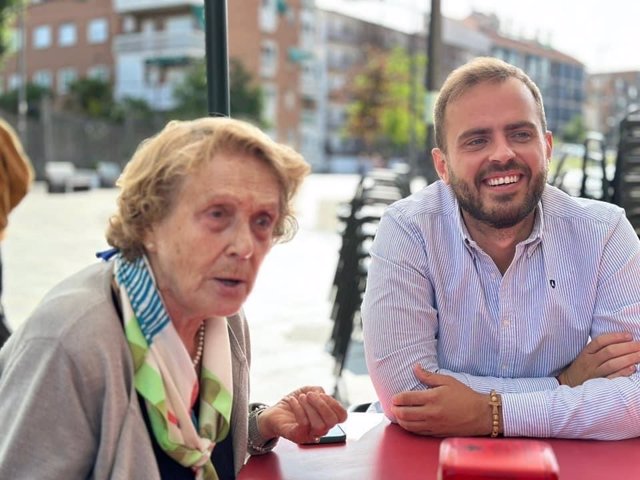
(503, 215)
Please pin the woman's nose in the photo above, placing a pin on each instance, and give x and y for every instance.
(242, 243)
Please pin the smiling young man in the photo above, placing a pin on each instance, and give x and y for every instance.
(495, 303)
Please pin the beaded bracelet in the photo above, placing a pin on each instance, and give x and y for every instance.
(496, 403)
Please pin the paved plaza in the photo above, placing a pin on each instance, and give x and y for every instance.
(50, 236)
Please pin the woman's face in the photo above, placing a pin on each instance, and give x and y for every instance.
(206, 253)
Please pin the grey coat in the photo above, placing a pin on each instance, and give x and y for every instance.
(68, 407)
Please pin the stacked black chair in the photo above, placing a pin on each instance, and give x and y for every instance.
(626, 181)
(595, 181)
(360, 217)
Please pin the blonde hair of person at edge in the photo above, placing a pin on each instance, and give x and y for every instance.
(138, 365)
(16, 175)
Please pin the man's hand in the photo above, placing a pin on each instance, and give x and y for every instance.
(608, 356)
(447, 408)
(302, 416)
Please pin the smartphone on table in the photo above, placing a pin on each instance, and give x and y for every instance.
(334, 435)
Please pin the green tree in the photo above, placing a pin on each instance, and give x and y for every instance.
(575, 131)
(34, 93)
(245, 97)
(94, 97)
(387, 104)
(91, 96)
(9, 9)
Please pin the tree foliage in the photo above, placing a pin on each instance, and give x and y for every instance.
(34, 93)
(387, 105)
(90, 96)
(575, 131)
(8, 12)
(245, 97)
(93, 97)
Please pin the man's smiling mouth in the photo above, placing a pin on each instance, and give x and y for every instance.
(507, 180)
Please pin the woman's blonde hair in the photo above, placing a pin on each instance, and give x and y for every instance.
(151, 180)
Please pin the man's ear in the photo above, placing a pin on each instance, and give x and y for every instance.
(440, 164)
(548, 140)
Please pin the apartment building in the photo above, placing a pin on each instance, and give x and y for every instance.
(58, 41)
(156, 43)
(266, 36)
(610, 96)
(145, 47)
(560, 77)
(344, 32)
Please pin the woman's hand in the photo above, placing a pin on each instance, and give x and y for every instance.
(302, 416)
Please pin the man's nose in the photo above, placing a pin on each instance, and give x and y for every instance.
(502, 151)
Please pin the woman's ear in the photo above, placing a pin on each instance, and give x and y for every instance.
(440, 164)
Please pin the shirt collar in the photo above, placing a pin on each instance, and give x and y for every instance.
(530, 243)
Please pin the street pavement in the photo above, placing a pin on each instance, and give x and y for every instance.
(51, 236)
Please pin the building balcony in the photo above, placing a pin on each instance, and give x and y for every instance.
(131, 6)
(158, 44)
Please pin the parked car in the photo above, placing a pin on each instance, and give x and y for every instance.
(108, 173)
(65, 177)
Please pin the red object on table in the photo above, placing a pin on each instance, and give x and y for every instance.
(493, 458)
(387, 452)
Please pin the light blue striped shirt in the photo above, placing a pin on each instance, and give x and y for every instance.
(434, 297)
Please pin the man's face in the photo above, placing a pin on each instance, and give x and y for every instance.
(497, 154)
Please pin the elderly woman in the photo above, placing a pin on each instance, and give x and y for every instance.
(138, 367)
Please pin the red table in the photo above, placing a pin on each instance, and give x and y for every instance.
(378, 450)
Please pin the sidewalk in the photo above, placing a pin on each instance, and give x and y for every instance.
(52, 236)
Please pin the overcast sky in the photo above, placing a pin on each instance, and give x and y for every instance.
(602, 34)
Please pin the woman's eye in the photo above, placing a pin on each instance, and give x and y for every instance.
(217, 213)
(264, 221)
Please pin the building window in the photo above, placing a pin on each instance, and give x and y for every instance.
(67, 34)
(43, 78)
(65, 77)
(268, 15)
(270, 96)
(268, 58)
(15, 79)
(128, 24)
(98, 30)
(42, 36)
(98, 72)
(181, 24)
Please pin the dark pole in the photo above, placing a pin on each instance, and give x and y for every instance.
(434, 56)
(217, 57)
(412, 105)
(23, 106)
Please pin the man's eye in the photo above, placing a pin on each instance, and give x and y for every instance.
(476, 142)
(522, 136)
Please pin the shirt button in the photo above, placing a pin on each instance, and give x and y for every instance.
(506, 323)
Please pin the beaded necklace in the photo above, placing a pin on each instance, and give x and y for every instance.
(196, 359)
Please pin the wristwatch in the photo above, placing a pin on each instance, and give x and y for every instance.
(257, 443)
